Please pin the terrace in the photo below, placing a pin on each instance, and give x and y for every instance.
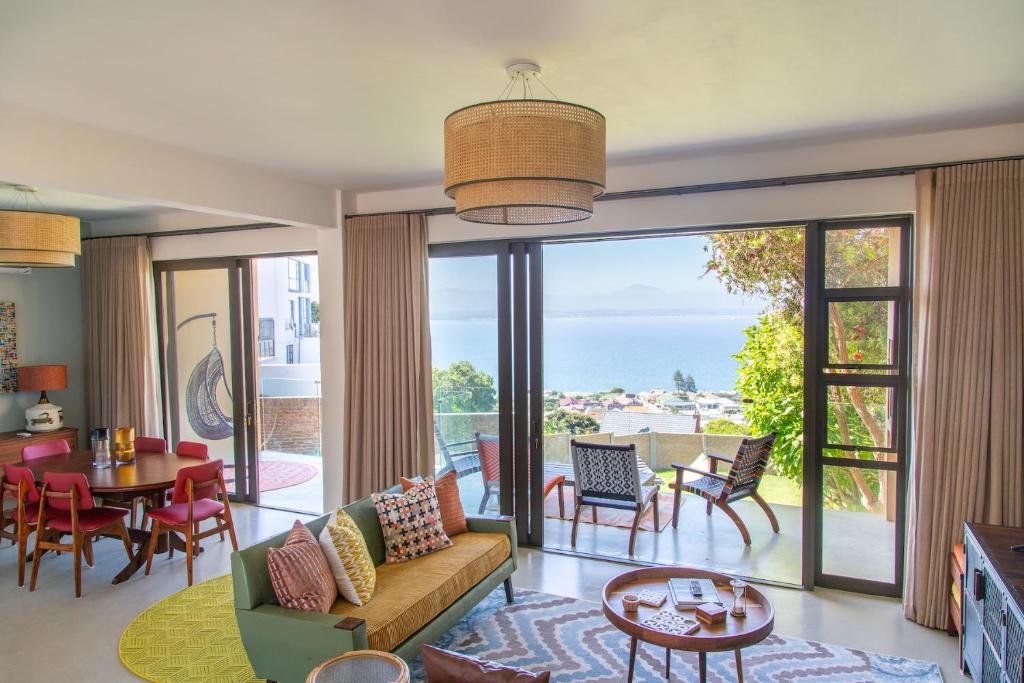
(700, 540)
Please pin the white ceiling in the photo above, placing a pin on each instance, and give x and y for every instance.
(84, 206)
(353, 93)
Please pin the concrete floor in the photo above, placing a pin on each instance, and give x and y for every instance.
(62, 638)
(305, 497)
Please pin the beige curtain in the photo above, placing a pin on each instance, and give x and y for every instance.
(969, 368)
(120, 334)
(388, 403)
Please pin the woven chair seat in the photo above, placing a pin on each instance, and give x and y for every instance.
(708, 487)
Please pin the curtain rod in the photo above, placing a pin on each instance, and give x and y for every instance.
(781, 181)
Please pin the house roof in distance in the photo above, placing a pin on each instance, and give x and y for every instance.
(620, 422)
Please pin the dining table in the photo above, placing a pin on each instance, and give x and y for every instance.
(149, 477)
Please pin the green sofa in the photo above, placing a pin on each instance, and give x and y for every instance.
(285, 645)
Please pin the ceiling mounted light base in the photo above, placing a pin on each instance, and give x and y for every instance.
(524, 161)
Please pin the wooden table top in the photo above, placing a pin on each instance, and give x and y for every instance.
(149, 472)
(733, 633)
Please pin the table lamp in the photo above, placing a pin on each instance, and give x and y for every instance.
(43, 416)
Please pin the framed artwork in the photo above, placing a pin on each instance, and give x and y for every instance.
(8, 349)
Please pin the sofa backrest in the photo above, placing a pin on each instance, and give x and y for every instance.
(250, 577)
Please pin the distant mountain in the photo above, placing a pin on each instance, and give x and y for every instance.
(463, 304)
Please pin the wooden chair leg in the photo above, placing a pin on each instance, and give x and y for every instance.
(654, 502)
(231, 525)
(709, 506)
(189, 547)
(126, 539)
(767, 510)
(576, 520)
(87, 549)
(37, 555)
(593, 514)
(195, 534)
(561, 500)
(154, 537)
(76, 551)
(487, 494)
(677, 500)
(632, 531)
(727, 509)
(22, 542)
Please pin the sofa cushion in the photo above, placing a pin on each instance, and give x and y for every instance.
(442, 666)
(299, 573)
(350, 561)
(453, 517)
(411, 594)
(411, 523)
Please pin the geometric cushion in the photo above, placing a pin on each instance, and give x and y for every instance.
(442, 665)
(345, 549)
(411, 594)
(453, 517)
(299, 573)
(411, 523)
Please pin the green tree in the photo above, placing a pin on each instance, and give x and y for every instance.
(689, 384)
(461, 388)
(569, 422)
(314, 311)
(723, 426)
(679, 380)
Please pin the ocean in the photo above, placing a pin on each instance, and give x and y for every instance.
(596, 353)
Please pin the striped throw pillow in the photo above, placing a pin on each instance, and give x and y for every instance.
(453, 517)
(411, 523)
(299, 573)
(345, 549)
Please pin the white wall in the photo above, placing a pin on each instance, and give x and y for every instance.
(48, 315)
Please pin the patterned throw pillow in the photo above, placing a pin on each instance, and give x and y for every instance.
(299, 573)
(411, 522)
(345, 548)
(453, 517)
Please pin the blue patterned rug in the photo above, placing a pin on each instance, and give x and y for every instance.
(572, 639)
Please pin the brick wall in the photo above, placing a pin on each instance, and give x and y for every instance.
(290, 424)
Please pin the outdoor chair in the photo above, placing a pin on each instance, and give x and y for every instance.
(609, 476)
(490, 466)
(463, 462)
(744, 476)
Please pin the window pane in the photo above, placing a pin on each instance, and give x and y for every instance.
(862, 257)
(859, 523)
(861, 332)
(859, 416)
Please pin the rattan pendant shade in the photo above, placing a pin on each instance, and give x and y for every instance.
(524, 161)
(38, 239)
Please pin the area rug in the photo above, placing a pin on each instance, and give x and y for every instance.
(275, 474)
(192, 636)
(612, 517)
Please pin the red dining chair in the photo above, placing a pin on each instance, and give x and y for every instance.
(71, 511)
(150, 444)
(19, 483)
(194, 500)
(192, 449)
(42, 450)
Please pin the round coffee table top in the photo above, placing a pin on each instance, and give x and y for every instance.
(733, 633)
(366, 666)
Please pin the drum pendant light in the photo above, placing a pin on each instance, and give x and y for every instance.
(37, 239)
(524, 161)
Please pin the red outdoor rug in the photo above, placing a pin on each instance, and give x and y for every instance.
(611, 517)
(275, 474)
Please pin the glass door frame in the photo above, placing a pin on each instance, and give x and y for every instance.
(895, 376)
(243, 378)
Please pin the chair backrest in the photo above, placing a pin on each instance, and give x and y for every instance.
(749, 465)
(606, 471)
(42, 450)
(16, 473)
(199, 474)
(442, 446)
(193, 449)
(150, 444)
(63, 482)
(489, 449)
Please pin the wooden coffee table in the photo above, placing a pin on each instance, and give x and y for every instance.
(733, 634)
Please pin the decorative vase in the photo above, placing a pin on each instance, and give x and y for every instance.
(124, 445)
(100, 439)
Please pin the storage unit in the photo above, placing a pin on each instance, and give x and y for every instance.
(993, 604)
(11, 444)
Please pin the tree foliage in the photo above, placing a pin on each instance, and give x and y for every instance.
(569, 422)
(722, 426)
(679, 380)
(461, 388)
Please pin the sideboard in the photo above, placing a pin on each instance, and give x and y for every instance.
(11, 444)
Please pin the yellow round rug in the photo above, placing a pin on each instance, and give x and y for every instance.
(189, 636)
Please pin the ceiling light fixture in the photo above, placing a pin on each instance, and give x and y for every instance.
(524, 161)
(30, 238)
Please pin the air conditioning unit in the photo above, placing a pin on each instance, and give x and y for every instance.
(20, 270)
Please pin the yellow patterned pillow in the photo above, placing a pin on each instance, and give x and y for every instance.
(349, 559)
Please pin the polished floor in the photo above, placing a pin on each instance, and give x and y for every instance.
(48, 635)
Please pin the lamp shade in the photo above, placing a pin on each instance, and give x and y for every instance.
(42, 377)
(38, 239)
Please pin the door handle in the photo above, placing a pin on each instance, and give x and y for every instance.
(979, 585)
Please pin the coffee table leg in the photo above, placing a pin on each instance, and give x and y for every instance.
(702, 659)
(739, 666)
(632, 659)
(668, 663)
